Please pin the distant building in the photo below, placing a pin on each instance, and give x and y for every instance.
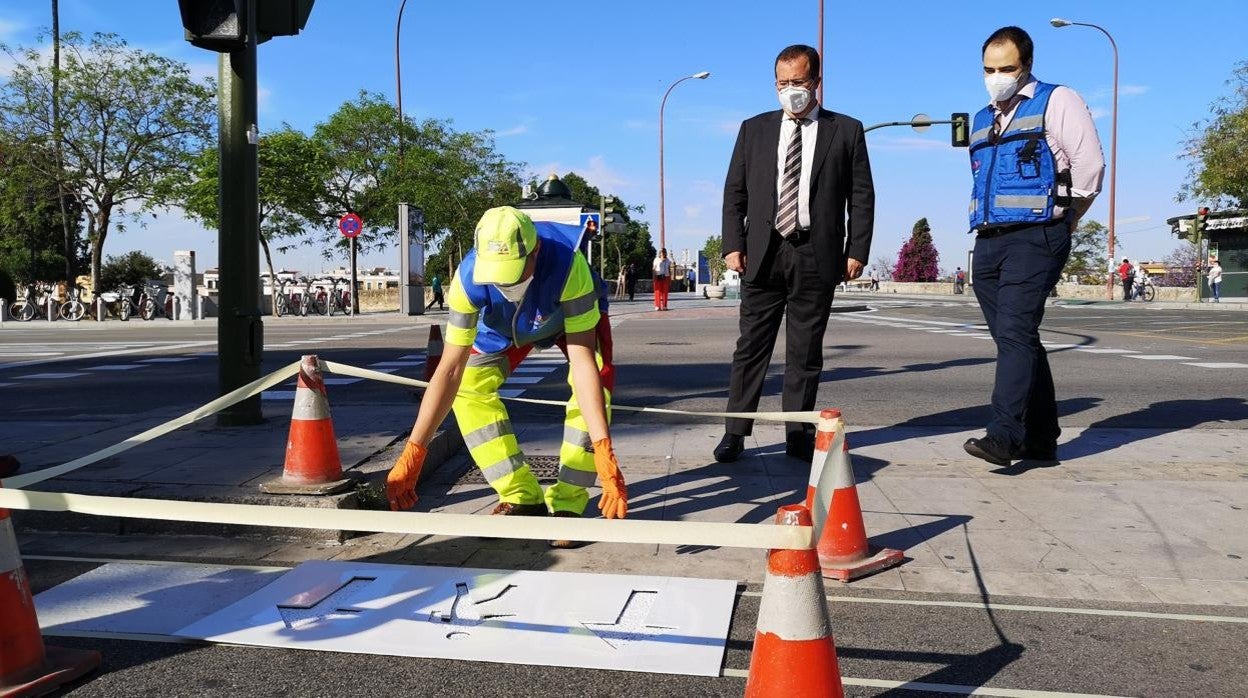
(1226, 240)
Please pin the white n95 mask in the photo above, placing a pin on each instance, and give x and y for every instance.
(1000, 86)
(794, 99)
(514, 292)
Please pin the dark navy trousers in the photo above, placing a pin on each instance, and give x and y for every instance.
(1014, 272)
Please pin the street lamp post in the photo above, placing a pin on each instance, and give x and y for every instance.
(398, 80)
(1113, 146)
(662, 211)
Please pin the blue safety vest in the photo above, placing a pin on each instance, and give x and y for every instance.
(1015, 176)
(538, 320)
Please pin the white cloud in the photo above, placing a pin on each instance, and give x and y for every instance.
(517, 130)
(693, 212)
(1098, 112)
(9, 28)
(595, 171)
(1131, 90)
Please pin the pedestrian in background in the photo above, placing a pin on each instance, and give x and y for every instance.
(959, 281)
(875, 280)
(1036, 166)
(1214, 275)
(630, 281)
(662, 280)
(794, 175)
(1126, 273)
(436, 285)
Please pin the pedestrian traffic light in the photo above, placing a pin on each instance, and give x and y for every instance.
(961, 129)
(1202, 214)
(614, 218)
(222, 25)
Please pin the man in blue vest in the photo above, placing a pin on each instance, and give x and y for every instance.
(522, 286)
(1037, 166)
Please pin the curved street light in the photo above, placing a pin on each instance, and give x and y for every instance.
(662, 210)
(398, 81)
(1058, 22)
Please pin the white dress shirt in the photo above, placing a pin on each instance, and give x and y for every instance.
(810, 131)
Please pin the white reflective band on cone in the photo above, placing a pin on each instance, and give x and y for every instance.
(10, 559)
(793, 607)
(728, 535)
(310, 405)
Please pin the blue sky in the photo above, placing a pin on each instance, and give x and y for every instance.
(576, 86)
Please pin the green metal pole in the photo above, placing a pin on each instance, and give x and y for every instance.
(240, 330)
(1200, 262)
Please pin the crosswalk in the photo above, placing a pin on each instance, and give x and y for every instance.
(979, 331)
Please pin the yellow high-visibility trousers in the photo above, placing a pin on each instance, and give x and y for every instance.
(484, 421)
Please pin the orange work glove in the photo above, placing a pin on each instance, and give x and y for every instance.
(401, 482)
(614, 501)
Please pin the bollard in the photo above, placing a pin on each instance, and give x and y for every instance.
(51, 315)
(4, 310)
(99, 309)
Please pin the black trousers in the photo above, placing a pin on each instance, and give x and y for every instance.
(1014, 273)
(788, 287)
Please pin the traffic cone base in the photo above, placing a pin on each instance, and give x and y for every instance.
(794, 654)
(844, 552)
(27, 667)
(433, 351)
(313, 466)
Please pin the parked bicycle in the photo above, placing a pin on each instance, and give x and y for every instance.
(156, 300)
(318, 300)
(119, 303)
(1144, 289)
(288, 302)
(340, 296)
(72, 309)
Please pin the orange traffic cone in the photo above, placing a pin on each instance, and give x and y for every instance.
(27, 667)
(433, 351)
(794, 654)
(312, 462)
(832, 495)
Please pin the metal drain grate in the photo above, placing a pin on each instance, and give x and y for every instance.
(546, 468)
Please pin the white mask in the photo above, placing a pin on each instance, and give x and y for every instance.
(794, 99)
(1000, 86)
(515, 292)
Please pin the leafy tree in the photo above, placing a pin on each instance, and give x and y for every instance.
(1218, 154)
(131, 268)
(1182, 265)
(918, 259)
(291, 170)
(713, 250)
(130, 124)
(31, 234)
(634, 245)
(1087, 253)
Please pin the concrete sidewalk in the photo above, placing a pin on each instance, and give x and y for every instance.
(1130, 515)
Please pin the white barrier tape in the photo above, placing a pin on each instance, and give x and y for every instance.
(807, 417)
(233, 397)
(727, 535)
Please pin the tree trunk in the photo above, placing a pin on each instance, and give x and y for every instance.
(100, 219)
(268, 258)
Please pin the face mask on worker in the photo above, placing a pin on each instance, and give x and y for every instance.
(794, 99)
(514, 292)
(1001, 86)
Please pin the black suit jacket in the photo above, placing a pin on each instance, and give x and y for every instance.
(841, 187)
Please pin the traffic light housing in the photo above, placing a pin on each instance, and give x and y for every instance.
(222, 25)
(1202, 214)
(960, 129)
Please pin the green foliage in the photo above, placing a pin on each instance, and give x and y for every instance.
(1218, 154)
(128, 269)
(1088, 245)
(32, 241)
(633, 246)
(131, 122)
(713, 251)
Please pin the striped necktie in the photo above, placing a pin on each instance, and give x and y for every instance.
(786, 221)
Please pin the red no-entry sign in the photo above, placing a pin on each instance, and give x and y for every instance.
(350, 225)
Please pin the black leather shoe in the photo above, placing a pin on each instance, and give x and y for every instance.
(509, 509)
(803, 450)
(1032, 452)
(730, 448)
(988, 449)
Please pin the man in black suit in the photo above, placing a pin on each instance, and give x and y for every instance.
(794, 177)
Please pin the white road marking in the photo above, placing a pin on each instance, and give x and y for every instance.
(5, 385)
(1217, 365)
(536, 369)
(1161, 357)
(397, 364)
(32, 353)
(1108, 612)
(1101, 350)
(510, 392)
(342, 381)
(114, 367)
(165, 360)
(412, 357)
(278, 395)
(163, 563)
(107, 354)
(48, 376)
(943, 688)
(523, 380)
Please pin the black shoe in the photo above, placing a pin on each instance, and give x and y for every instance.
(803, 450)
(567, 544)
(988, 449)
(1032, 452)
(509, 509)
(729, 448)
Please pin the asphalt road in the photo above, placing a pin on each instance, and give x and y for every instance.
(897, 362)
